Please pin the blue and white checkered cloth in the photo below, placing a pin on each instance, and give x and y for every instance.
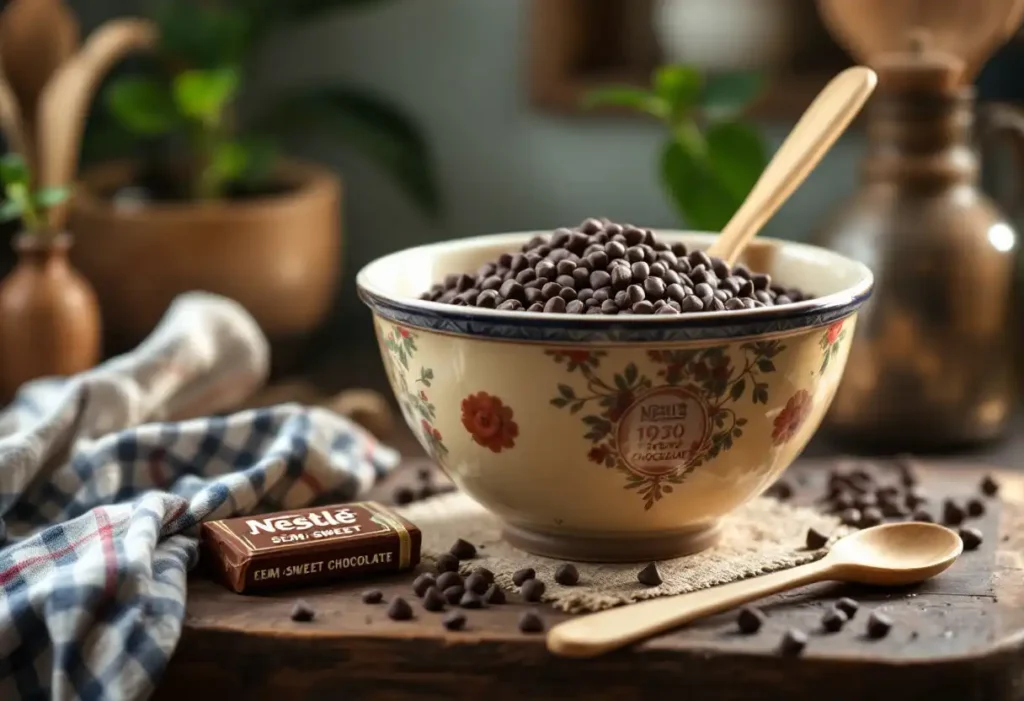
(104, 476)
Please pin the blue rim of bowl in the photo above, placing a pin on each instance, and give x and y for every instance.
(531, 326)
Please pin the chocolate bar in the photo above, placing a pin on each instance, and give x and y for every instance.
(309, 546)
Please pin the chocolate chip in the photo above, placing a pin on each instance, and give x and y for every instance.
(302, 612)
(869, 517)
(471, 600)
(399, 609)
(477, 583)
(971, 538)
(952, 513)
(433, 599)
(520, 576)
(422, 583)
(989, 486)
(403, 495)
(448, 579)
(975, 508)
(373, 596)
(848, 606)
(485, 573)
(453, 594)
(914, 499)
(447, 562)
(649, 576)
(834, 620)
(923, 516)
(850, 517)
(494, 595)
(879, 625)
(749, 620)
(815, 539)
(462, 549)
(454, 620)
(793, 643)
(531, 622)
(532, 590)
(567, 575)
(781, 490)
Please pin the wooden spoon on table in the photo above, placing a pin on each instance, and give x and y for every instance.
(896, 554)
(819, 127)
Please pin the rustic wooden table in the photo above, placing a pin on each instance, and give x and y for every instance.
(960, 636)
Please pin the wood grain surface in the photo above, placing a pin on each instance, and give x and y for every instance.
(960, 636)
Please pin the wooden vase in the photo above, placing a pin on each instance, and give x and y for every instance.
(49, 316)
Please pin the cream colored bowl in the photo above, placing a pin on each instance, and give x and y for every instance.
(613, 438)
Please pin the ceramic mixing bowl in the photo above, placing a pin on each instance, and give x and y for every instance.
(608, 438)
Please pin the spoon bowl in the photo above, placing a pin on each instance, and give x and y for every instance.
(895, 554)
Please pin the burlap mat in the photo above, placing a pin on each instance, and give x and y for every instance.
(761, 537)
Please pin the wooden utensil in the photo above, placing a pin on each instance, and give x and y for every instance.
(36, 38)
(895, 554)
(819, 127)
(970, 30)
(11, 121)
(65, 100)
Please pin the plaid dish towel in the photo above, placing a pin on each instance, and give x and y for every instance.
(104, 476)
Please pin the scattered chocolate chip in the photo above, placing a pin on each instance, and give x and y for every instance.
(422, 583)
(749, 620)
(871, 516)
(816, 539)
(453, 594)
(793, 643)
(454, 620)
(494, 595)
(975, 508)
(879, 625)
(649, 576)
(834, 620)
(850, 517)
(485, 573)
(907, 469)
(476, 583)
(567, 575)
(447, 562)
(373, 596)
(781, 490)
(952, 514)
(403, 495)
(463, 549)
(914, 499)
(448, 579)
(433, 599)
(989, 486)
(532, 590)
(848, 606)
(971, 537)
(425, 492)
(471, 600)
(923, 515)
(302, 612)
(531, 622)
(520, 576)
(399, 609)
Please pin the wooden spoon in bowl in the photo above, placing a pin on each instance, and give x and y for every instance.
(819, 127)
(896, 554)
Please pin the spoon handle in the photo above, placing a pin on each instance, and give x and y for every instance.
(819, 127)
(592, 635)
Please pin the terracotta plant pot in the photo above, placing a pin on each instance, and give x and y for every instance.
(49, 317)
(277, 255)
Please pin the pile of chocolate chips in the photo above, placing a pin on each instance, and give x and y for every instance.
(601, 267)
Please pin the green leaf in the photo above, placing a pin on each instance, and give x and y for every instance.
(566, 391)
(701, 199)
(228, 161)
(727, 94)
(260, 157)
(143, 105)
(628, 97)
(737, 389)
(765, 365)
(203, 94)
(13, 170)
(365, 121)
(736, 154)
(679, 87)
(51, 196)
(10, 210)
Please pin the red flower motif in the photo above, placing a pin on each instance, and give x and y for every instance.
(423, 395)
(404, 333)
(489, 421)
(580, 357)
(598, 454)
(832, 334)
(792, 417)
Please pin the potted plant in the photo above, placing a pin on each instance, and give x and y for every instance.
(711, 158)
(211, 203)
(49, 317)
